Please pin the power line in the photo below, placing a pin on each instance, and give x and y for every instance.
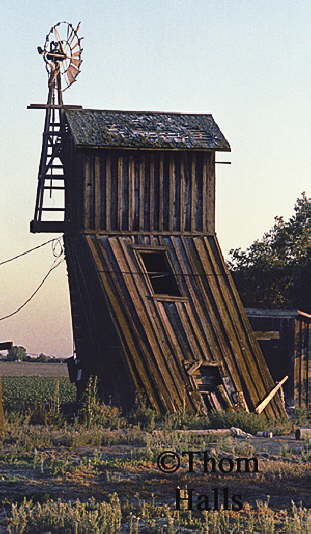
(55, 240)
(161, 273)
(54, 266)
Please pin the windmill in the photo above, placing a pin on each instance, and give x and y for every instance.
(62, 56)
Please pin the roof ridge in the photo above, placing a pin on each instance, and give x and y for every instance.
(144, 111)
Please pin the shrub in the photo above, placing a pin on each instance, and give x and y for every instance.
(59, 517)
(93, 412)
(249, 422)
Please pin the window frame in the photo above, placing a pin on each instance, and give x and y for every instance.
(138, 250)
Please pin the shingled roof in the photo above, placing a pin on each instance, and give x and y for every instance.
(145, 129)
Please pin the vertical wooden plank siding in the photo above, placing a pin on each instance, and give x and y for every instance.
(97, 199)
(210, 186)
(182, 204)
(302, 363)
(193, 195)
(205, 186)
(172, 193)
(119, 186)
(149, 192)
(87, 193)
(108, 191)
(161, 191)
(296, 367)
(305, 354)
(131, 200)
(141, 208)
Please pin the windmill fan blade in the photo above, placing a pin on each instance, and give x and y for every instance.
(71, 37)
(76, 62)
(71, 75)
(56, 33)
(62, 54)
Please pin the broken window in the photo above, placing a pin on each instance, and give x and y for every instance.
(160, 273)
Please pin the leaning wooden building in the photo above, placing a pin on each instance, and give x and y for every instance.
(154, 308)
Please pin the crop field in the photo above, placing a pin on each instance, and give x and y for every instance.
(98, 472)
(21, 393)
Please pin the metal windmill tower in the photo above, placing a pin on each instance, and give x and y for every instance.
(62, 56)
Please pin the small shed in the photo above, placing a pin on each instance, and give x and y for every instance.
(285, 339)
(154, 307)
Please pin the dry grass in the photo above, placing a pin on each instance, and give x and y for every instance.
(59, 477)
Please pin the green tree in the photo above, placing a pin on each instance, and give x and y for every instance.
(16, 353)
(43, 358)
(275, 271)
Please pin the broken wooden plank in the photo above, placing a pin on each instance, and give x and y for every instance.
(269, 397)
(303, 433)
(269, 335)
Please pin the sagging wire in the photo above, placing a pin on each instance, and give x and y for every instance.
(54, 265)
(56, 241)
(57, 251)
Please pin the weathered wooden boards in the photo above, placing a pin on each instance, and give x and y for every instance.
(303, 433)
(154, 192)
(158, 335)
(289, 351)
(302, 361)
(266, 336)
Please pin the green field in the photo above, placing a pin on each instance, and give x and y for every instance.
(21, 393)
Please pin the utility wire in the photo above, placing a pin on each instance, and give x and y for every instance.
(158, 274)
(54, 266)
(56, 254)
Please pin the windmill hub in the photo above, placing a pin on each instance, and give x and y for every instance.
(56, 54)
(62, 55)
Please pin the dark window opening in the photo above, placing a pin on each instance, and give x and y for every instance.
(160, 273)
(208, 378)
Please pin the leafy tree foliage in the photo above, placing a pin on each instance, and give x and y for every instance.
(43, 358)
(275, 271)
(16, 353)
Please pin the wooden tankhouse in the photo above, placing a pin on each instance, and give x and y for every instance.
(154, 308)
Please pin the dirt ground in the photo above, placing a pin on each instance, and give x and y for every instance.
(33, 369)
(86, 471)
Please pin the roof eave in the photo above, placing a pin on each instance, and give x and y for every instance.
(157, 148)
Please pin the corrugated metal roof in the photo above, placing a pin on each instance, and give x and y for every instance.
(145, 129)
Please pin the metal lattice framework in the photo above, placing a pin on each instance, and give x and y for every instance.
(62, 56)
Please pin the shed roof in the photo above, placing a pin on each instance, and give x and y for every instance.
(145, 129)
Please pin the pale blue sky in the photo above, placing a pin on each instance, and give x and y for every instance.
(246, 62)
